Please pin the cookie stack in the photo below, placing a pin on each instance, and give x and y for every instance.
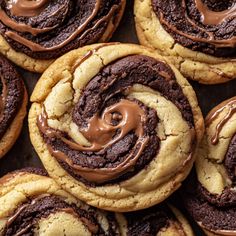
(117, 126)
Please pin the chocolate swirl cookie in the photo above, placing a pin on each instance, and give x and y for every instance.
(33, 204)
(13, 101)
(161, 220)
(210, 195)
(34, 33)
(117, 123)
(199, 36)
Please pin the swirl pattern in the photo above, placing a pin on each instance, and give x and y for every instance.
(47, 29)
(214, 192)
(108, 127)
(47, 210)
(12, 104)
(197, 36)
(209, 26)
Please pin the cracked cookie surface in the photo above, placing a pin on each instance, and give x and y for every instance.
(197, 36)
(210, 194)
(115, 125)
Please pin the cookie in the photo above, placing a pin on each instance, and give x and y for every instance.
(13, 102)
(33, 35)
(210, 193)
(115, 125)
(33, 204)
(197, 36)
(161, 220)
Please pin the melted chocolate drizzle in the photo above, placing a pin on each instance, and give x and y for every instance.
(230, 157)
(130, 147)
(230, 162)
(200, 25)
(40, 28)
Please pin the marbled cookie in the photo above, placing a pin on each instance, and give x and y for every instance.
(13, 102)
(115, 125)
(159, 220)
(210, 195)
(35, 33)
(198, 36)
(33, 204)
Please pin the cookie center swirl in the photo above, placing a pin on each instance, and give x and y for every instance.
(100, 131)
(26, 7)
(121, 130)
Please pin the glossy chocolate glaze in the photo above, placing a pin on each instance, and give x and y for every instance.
(39, 29)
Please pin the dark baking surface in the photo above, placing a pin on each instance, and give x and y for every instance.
(23, 154)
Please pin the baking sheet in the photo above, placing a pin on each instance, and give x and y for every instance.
(23, 155)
